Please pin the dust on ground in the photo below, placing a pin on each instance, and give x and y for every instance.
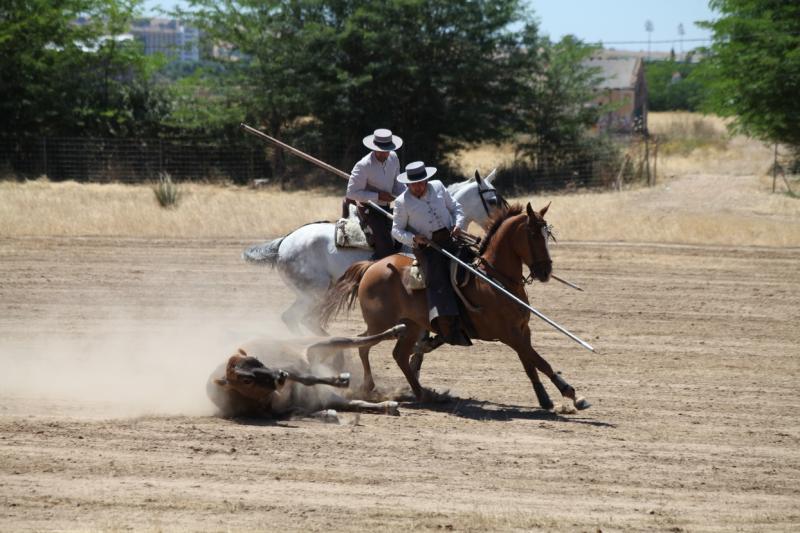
(105, 346)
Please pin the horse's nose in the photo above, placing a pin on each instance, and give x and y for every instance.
(542, 270)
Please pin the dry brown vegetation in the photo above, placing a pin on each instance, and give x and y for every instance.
(713, 196)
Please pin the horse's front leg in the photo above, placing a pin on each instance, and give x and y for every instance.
(532, 361)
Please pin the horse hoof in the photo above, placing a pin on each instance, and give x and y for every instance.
(582, 403)
(344, 379)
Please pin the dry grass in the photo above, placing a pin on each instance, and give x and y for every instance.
(39, 208)
(709, 209)
(484, 157)
(711, 196)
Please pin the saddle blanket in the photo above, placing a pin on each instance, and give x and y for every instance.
(348, 234)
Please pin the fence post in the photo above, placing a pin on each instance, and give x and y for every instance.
(775, 168)
(618, 184)
(160, 157)
(44, 154)
(655, 159)
(647, 157)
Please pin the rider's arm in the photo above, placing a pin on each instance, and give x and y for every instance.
(400, 224)
(357, 186)
(398, 188)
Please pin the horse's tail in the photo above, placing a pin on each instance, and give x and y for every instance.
(266, 253)
(343, 293)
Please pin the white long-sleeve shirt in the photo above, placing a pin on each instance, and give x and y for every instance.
(435, 210)
(378, 176)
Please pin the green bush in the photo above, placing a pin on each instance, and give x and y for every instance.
(166, 191)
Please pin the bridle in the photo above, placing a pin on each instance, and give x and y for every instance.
(498, 200)
(547, 232)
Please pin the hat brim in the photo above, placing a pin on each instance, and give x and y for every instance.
(429, 171)
(369, 142)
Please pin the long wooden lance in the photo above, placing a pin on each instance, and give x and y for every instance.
(436, 247)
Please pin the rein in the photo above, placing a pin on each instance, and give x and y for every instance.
(501, 202)
(526, 280)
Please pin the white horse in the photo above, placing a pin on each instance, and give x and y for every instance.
(309, 261)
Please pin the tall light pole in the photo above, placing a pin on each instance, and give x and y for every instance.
(648, 26)
(681, 33)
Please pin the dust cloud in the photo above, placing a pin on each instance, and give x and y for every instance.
(127, 366)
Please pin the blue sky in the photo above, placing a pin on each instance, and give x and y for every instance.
(609, 21)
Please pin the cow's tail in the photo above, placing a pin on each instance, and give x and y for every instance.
(265, 254)
(343, 293)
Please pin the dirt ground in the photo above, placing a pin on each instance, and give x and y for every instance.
(105, 345)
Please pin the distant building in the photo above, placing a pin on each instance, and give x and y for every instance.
(169, 37)
(625, 88)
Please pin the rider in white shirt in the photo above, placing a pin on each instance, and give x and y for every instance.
(374, 178)
(426, 212)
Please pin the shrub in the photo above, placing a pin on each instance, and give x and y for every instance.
(166, 191)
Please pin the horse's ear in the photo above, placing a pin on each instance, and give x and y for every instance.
(544, 209)
(492, 175)
(221, 382)
(529, 210)
(477, 177)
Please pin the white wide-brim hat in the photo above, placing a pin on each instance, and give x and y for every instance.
(416, 172)
(383, 141)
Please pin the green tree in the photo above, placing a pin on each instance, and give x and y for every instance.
(668, 92)
(556, 109)
(437, 72)
(63, 78)
(753, 69)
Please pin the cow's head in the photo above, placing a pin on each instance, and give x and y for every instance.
(249, 377)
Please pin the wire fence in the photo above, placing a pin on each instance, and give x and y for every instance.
(600, 162)
(131, 160)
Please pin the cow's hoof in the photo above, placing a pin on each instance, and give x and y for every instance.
(392, 408)
(582, 403)
(329, 416)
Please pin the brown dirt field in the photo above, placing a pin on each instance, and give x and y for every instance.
(105, 345)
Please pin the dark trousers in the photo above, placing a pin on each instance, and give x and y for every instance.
(436, 266)
(381, 227)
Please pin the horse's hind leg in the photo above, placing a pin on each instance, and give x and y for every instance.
(402, 352)
(292, 317)
(368, 385)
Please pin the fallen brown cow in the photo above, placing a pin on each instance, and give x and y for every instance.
(244, 386)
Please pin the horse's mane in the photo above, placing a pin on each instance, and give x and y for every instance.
(496, 221)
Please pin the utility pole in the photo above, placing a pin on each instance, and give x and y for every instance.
(648, 26)
(681, 33)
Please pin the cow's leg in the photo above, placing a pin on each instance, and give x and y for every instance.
(325, 348)
(331, 345)
(341, 381)
(388, 407)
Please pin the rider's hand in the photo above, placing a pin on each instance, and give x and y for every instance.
(420, 240)
(456, 231)
(385, 197)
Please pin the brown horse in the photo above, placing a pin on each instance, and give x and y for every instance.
(515, 238)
